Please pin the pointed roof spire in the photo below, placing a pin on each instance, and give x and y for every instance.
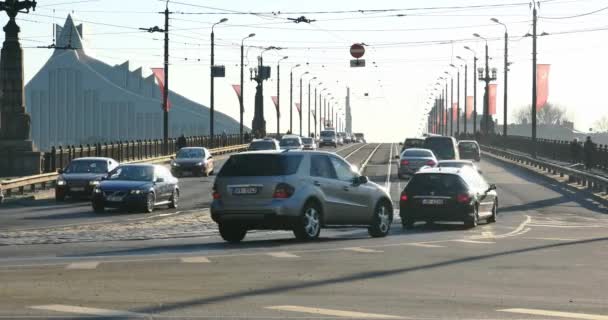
(69, 36)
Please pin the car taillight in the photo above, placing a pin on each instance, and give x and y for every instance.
(216, 195)
(404, 162)
(403, 197)
(463, 198)
(431, 163)
(283, 191)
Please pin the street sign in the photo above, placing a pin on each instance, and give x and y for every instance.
(357, 50)
(356, 63)
(218, 71)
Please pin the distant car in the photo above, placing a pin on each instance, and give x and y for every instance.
(469, 149)
(298, 191)
(360, 138)
(309, 144)
(448, 194)
(328, 138)
(340, 138)
(444, 148)
(411, 160)
(264, 144)
(412, 143)
(291, 143)
(81, 176)
(196, 161)
(137, 187)
(457, 164)
(347, 138)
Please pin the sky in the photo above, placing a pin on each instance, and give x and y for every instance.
(410, 44)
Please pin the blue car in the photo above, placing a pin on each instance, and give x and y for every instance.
(136, 187)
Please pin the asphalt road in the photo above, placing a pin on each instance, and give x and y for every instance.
(545, 259)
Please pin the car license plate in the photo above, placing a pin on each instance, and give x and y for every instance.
(114, 199)
(432, 202)
(77, 189)
(244, 190)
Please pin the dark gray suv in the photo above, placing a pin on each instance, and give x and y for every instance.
(296, 190)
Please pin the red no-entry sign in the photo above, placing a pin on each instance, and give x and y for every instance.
(357, 50)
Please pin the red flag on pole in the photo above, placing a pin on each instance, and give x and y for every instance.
(298, 107)
(492, 107)
(275, 100)
(542, 85)
(159, 74)
(237, 89)
(469, 107)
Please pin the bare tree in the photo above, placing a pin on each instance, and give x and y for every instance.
(522, 115)
(601, 125)
(551, 114)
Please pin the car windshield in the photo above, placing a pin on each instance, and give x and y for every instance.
(417, 154)
(454, 164)
(133, 173)
(190, 154)
(442, 147)
(307, 140)
(290, 142)
(413, 143)
(250, 165)
(87, 166)
(437, 183)
(328, 134)
(262, 145)
(467, 146)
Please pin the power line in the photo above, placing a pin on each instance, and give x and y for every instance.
(576, 16)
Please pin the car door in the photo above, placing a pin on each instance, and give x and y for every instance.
(489, 196)
(161, 186)
(323, 177)
(209, 160)
(354, 198)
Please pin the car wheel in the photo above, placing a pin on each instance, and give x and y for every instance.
(98, 207)
(309, 225)
(174, 200)
(150, 201)
(382, 220)
(59, 196)
(472, 223)
(492, 218)
(232, 233)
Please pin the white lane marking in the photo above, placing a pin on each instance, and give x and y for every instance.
(521, 229)
(552, 239)
(473, 241)
(85, 310)
(282, 255)
(363, 250)
(559, 314)
(560, 226)
(195, 260)
(88, 265)
(423, 245)
(353, 152)
(368, 158)
(332, 312)
(388, 173)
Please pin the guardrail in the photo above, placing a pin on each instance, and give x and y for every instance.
(591, 181)
(45, 180)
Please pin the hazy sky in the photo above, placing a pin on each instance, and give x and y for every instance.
(411, 47)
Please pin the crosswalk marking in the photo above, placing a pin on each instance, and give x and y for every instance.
(335, 313)
(88, 265)
(363, 250)
(559, 314)
(85, 310)
(195, 260)
(282, 254)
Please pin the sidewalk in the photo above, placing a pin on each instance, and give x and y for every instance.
(577, 166)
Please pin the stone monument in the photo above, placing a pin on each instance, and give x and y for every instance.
(18, 156)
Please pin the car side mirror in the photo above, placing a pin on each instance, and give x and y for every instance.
(60, 171)
(492, 187)
(361, 180)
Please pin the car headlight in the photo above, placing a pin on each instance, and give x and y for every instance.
(60, 182)
(174, 164)
(94, 182)
(97, 190)
(200, 163)
(135, 192)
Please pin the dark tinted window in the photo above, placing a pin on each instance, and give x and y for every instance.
(328, 134)
(413, 143)
(467, 146)
(289, 142)
(417, 153)
(320, 166)
(442, 147)
(190, 154)
(251, 165)
(307, 140)
(262, 145)
(87, 166)
(133, 173)
(438, 183)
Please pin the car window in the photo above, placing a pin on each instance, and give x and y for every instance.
(133, 173)
(162, 172)
(328, 134)
(321, 166)
(473, 178)
(262, 145)
(307, 140)
(190, 154)
(467, 146)
(417, 153)
(260, 165)
(454, 164)
(87, 166)
(343, 170)
(438, 183)
(290, 142)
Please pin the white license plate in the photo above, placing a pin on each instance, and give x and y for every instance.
(433, 202)
(244, 190)
(77, 189)
(114, 199)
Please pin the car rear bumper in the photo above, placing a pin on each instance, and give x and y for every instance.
(420, 213)
(279, 214)
(189, 169)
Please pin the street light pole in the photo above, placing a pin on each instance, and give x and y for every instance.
(487, 78)
(309, 81)
(506, 71)
(300, 111)
(278, 106)
(474, 90)
(241, 96)
(534, 98)
(466, 72)
(212, 98)
(291, 98)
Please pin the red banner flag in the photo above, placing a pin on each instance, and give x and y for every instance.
(469, 107)
(275, 100)
(237, 89)
(298, 107)
(542, 85)
(159, 74)
(492, 106)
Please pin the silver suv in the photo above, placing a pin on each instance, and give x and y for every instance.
(296, 190)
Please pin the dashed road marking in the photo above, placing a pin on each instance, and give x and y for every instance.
(335, 313)
(552, 239)
(195, 260)
(282, 255)
(88, 265)
(363, 250)
(559, 314)
(87, 311)
(424, 245)
(473, 241)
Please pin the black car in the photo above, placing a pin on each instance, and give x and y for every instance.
(196, 161)
(81, 176)
(469, 149)
(137, 187)
(448, 194)
(444, 148)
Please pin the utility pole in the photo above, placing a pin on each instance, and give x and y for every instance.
(301, 106)
(241, 96)
(506, 70)
(458, 103)
(486, 78)
(212, 76)
(278, 106)
(534, 98)
(291, 98)
(466, 79)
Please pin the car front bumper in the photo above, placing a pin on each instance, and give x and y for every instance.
(130, 201)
